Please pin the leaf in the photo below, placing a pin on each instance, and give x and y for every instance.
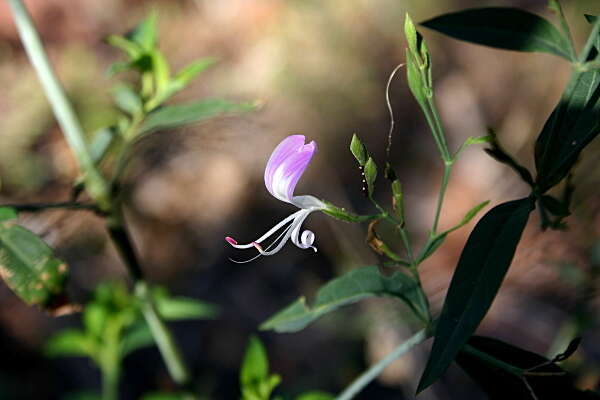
(503, 28)
(255, 366)
(484, 356)
(343, 215)
(481, 268)
(145, 33)
(101, 142)
(436, 241)
(95, 318)
(29, 267)
(136, 337)
(131, 48)
(70, 342)
(316, 396)
(178, 308)
(370, 172)
(165, 396)
(358, 149)
(189, 73)
(347, 289)
(127, 100)
(7, 214)
(169, 117)
(161, 70)
(573, 124)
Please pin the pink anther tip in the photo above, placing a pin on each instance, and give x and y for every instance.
(230, 240)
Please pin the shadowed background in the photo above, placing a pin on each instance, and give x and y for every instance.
(319, 68)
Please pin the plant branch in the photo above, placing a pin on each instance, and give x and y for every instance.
(61, 106)
(369, 375)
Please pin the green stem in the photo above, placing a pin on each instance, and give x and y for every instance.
(369, 375)
(162, 336)
(35, 207)
(110, 384)
(58, 100)
(442, 194)
(439, 130)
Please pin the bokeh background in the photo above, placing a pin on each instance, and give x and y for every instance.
(319, 68)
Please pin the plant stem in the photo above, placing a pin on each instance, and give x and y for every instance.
(61, 106)
(365, 378)
(442, 194)
(110, 384)
(162, 336)
(70, 205)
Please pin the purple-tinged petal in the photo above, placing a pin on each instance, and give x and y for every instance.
(286, 165)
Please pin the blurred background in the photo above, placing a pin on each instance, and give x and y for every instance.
(320, 69)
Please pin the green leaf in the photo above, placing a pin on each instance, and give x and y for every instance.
(169, 117)
(70, 342)
(255, 366)
(412, 37)
(95, 318)
(573, 124)
(178, 308)
(7, 214)
(189, 73)
(343, 215)
(131, 48)
(145, 33)
(127, 99)
(316, 396)
(398, 199)
(370, 175)
(483, 359)
(481, 268)
(29, 268)
(471, 140)
(347, 289)
(503, 28)
(358, 149)
(136, 337)
(161, 71)
(416, 84)
(101, 143)
(436, 241)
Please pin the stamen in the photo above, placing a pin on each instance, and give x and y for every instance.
(231, 240)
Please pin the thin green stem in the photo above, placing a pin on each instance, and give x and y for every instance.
(369, 375)
(110, 384)
(399, 226)
(590, 42)
(61, 106)
(162, 336)
(442, 194)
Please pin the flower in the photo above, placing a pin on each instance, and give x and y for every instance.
(284, 168)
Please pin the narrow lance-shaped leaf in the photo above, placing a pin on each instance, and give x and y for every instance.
(169, 117)
(349, 288)
(370, 172)
(503, 28)
(481, 268)
(359, 151)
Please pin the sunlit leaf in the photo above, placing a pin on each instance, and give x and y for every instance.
(255, 366)
(316, 396)
(145, 33)
(503, 28)
(349, 288)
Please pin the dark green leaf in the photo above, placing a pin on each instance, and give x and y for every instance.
(70, 342)
(29, 268)
(503, 28)
(169, 117)
(255, 367)
(573, 124)
(349, 288)
(481, 268)
(165, 396)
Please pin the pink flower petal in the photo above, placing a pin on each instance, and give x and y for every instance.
(286, 165)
